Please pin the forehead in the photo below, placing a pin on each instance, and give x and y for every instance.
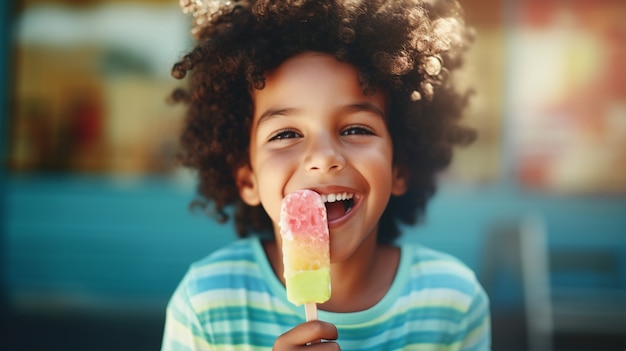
(313, 75)
(311, 66)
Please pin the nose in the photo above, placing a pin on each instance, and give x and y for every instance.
(324, 155)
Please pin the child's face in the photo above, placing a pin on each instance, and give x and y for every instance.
(313, 128)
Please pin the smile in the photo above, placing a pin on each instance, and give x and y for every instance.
(338, 205)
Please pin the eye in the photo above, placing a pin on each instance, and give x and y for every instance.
(357, 130)
(285, 134)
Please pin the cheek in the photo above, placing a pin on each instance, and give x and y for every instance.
(379, 157)
(378, 168)
(273, 173)
(275, 166)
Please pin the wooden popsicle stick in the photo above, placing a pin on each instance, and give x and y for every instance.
(310, 311)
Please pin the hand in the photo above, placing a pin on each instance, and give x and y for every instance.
(308, 335)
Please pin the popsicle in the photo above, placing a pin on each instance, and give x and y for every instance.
(305, 246)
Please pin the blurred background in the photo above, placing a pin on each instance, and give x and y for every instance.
(94, 220)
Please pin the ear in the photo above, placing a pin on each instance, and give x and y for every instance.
(247, 185)
(399, 181)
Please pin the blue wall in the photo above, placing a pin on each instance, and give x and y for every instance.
(104, 243)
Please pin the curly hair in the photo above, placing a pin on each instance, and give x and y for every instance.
(407, 48)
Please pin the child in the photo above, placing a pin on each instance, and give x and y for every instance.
(349, 98)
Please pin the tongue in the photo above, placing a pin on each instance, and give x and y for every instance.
(335, 210)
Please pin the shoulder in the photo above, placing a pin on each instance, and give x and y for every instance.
(439, 292)
(443, 274)
(224, 296)
(241, 250)
(231, 267)
(427, 261)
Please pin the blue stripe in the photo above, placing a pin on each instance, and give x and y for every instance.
(225, 280)
(239, 313)
(244, 309)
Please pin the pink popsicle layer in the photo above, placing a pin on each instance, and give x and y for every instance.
(305, 247)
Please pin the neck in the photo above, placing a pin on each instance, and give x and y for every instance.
(363, 280)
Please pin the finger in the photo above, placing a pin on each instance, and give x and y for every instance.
(324, 330)
(324, 346)
(307, 333)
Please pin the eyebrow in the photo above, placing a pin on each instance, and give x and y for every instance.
(274, 112)
(356, 107)
(368, 107)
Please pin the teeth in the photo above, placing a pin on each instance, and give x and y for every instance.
(336, 197)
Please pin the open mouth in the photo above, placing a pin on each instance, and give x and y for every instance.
(338, 205)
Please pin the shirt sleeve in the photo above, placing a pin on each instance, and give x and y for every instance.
(183, 330)
(478, 323)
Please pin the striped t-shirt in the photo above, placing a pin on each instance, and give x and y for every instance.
(232, 300)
